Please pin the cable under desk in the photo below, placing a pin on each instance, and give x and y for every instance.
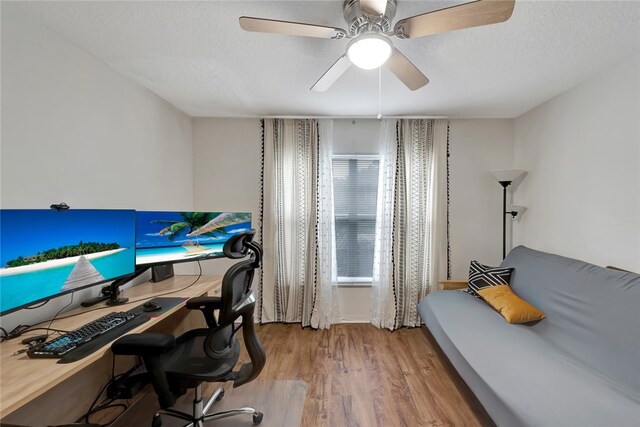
(24, 380)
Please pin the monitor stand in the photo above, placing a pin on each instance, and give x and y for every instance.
(114, 291)
(95, 300)
(111, 293)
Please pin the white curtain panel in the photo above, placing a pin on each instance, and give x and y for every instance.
(411, 233)
(297, 225)
(382, 300)
(327, 280)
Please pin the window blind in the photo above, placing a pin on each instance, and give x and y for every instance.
(355, 189)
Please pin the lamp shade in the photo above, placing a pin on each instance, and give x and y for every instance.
(507, 175)
(369, 51)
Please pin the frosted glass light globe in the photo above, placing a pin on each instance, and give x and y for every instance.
(369, 51)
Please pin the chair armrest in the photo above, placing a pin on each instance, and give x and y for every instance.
(206, 305)
(198, 303)
(145, 344)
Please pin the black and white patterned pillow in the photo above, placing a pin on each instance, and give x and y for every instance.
(482, 276)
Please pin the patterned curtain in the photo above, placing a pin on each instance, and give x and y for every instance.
(297, 223)
(411, 234)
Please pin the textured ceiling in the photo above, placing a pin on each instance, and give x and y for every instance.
(194, 55)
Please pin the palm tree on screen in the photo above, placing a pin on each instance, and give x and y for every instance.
(190, 221)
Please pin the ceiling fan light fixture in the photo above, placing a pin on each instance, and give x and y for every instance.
(369, 51)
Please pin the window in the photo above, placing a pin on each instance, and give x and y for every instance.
(355, 188)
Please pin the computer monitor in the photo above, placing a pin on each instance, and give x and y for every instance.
(170, 237)
(48, 253)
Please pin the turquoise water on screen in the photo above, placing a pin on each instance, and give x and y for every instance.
(175, 253)
(20, 289)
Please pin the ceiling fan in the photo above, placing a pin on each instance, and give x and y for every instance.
(369, 23)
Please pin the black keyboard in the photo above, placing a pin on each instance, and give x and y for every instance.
(91, 336)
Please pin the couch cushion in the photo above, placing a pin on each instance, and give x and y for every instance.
(482, 276)
(513, 308)
(592, 313)
(520, 378)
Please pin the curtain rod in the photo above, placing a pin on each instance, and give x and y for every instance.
(352, 117)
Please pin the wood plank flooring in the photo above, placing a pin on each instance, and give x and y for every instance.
(358, 375)
(282, 400)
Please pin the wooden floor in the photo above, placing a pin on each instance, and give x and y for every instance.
(282, 400)
(358, 375)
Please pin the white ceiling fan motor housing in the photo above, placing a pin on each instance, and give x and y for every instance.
(360, 21)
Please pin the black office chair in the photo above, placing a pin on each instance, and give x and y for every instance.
(207, 354)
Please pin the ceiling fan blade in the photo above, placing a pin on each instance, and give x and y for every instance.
(374, 7)
(261, 25)
(474, 14)
(332, 74)
(404, 69)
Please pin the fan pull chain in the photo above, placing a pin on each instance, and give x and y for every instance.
(379, 92)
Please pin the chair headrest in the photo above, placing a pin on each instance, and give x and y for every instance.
(256, 248)
(237, 246)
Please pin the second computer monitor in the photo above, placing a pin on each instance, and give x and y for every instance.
(164, 237)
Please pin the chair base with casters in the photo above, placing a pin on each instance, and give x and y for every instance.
(174, 365)
(200, 412)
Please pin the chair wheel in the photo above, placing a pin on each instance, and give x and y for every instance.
(257, 418)
(220, 396)
(157, 421)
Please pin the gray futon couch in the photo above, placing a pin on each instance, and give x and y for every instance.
(578, 367)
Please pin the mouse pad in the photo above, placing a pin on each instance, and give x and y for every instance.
(166, 303)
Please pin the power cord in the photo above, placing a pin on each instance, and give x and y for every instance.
(177, 290)
(33, 307)
(59, 311)
(14, 333)
(107, 403)
(28, 328)
(57, 331)
(21, 329)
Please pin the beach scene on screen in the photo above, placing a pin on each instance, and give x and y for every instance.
(165, 237)
(47, 252)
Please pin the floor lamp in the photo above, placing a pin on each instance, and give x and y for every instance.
(505, 178)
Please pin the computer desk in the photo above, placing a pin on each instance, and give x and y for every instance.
(39, 392)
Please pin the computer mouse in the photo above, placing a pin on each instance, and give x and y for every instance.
(151, 306)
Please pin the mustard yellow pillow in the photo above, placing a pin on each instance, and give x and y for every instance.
(513, 308)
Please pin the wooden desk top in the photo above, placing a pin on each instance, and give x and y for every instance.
(23, 379)
(453, 284)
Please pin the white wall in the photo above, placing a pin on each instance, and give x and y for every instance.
(582, 151)
(475, 197)
(360, 136)
(227, 162)
(74, 130)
